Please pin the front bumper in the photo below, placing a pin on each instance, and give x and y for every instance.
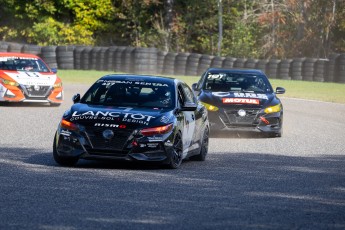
(254, 121)
(126, 147)
(30, 93)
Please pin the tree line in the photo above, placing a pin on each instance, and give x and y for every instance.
(248, 28)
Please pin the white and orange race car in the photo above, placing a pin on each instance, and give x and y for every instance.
(27, 78)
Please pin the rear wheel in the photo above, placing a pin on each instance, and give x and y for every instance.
(204, 147)
(176, 156)
(64, 161)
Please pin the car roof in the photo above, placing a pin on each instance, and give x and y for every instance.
(10, 54)
(138, 77)
(249, 71)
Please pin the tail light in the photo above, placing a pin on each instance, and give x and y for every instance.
(156, 130)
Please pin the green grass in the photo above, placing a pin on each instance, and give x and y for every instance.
(321, 91)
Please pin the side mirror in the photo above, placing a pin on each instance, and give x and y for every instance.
(189, 106)
(76, 98)
(280, 90)
(54, 70)
(195, 87)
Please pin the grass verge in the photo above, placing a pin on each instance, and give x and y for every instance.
(321, 91)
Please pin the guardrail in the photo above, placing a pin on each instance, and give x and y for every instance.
(154, 61)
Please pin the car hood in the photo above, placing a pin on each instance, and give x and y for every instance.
(29, 78)
(224, 99)
(111, 116)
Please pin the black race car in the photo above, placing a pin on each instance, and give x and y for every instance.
(133, 117)
(241, 100)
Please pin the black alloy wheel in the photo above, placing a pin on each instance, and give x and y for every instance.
(64, 161)
(176, 156)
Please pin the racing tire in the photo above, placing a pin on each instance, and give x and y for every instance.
(176, 155)
(204, 147)
(63, 161)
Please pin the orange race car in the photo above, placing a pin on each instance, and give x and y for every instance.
(26, 78)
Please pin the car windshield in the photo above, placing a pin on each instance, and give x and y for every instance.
(130, 93)
(23, 64)
(237, 82)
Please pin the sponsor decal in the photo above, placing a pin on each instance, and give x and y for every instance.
(112, 116)
(152, 139)
(31, 74)
(65, 132)
(16, 57)
(135, 83)
(149, 145)
(32, 78)
(240, 95)
(215, 76)
(240, 101)
(110, 125)
(251, 95)
(152, 145)
(165, 119)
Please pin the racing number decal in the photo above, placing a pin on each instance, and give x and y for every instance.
(32, 74)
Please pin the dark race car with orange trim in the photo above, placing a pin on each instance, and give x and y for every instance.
(26, 78)
(241, 100)
(133, 118)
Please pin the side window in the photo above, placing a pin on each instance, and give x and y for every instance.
(180, 95)
(201, 81)
(189, 95)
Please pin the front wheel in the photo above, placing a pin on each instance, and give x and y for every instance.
(64, 161)
(176, 155)
(204, 147)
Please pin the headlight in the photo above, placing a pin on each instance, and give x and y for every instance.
(273, 109)
(8, 82)
(58, 85)
(156, 130)
(68, 125)
(210, 107)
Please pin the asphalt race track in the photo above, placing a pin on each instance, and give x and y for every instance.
(247, 182)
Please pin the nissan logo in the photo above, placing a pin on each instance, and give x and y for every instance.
(241, 112)
(108, 134)
(36, 87)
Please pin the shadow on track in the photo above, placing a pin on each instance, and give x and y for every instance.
(30, 156)
(237, 135)
(228, 191)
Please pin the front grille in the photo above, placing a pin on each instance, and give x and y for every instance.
(36, 91)
(234, 119)
(116, 143)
